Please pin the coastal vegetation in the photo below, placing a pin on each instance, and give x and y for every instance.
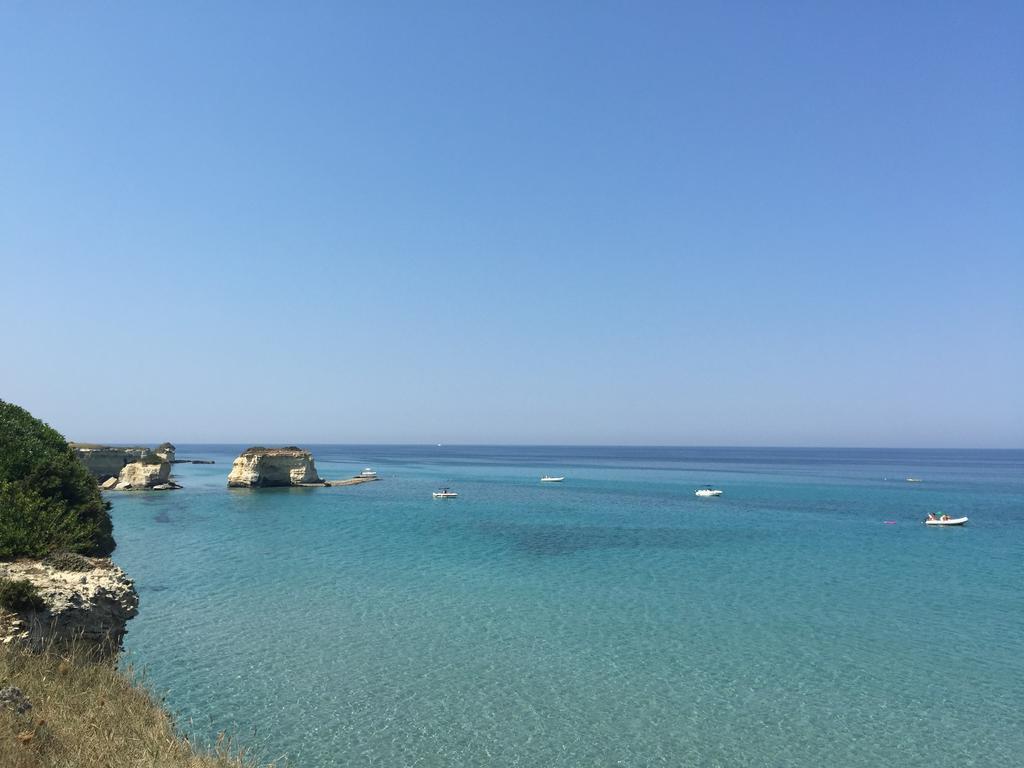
(48, 500)
(84, 713)
(67, 561)
(18, 595)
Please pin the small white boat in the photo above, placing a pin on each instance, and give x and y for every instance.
(707, 492)
(367, 473)
(913, 480)
(550, 479)
(444, 493)
(948, 521)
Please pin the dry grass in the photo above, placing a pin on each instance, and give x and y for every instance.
(87, 714)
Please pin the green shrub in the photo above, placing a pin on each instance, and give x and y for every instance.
(48, 500)
(19, 595)
(150, 458)
(67, 561)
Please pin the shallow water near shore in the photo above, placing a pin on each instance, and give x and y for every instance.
(804, 618)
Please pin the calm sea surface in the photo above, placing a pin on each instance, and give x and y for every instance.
(610, 620)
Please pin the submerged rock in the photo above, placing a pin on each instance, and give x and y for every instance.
(90, 606)
(268, 467)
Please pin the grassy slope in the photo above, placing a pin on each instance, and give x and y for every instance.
(86, 714)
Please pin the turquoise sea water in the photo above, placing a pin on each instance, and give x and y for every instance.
(610, 620)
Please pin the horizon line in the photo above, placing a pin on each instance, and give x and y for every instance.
(270, 444)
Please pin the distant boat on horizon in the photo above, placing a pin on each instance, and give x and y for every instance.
(549, 479)
(913, 480)
(707, 491)
(444, 493)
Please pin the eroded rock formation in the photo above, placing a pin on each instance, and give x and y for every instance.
(128, 468)
(267, 467)
(145, 476)
(105, 461)
(85, 599)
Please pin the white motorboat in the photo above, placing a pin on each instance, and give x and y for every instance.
(367, 473)
(707, 492)
(550, 479)
(444, 493)
(913, 480)
(947, 521)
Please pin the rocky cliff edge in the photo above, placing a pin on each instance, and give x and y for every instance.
(85, 599)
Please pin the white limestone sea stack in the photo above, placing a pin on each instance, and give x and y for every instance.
(145, 476)
(106, 461)
(84, 600)
(260, 467)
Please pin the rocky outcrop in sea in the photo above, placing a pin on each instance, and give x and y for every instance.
(132, 468)
(144, 476)
(105, 461)
(260, 467)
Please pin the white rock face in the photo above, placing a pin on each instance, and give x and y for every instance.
(92, 605)
(266, 467)
(104, 461)
(140, 477)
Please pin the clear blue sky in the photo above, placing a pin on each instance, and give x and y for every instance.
(664, 223)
